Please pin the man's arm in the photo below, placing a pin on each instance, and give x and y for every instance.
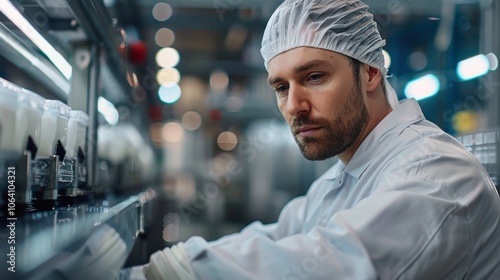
(383, 237)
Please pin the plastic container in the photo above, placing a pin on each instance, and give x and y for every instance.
(8, 116)
(77, 132)
(83, 123)
(48, 133)
(54, 126)
(29, 117)
(62, 122)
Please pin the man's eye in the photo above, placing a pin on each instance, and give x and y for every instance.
(315, 77)
(281, 89)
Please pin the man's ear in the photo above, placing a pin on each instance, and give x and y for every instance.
(374, 77)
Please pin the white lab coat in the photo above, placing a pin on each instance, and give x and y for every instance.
(411, 204)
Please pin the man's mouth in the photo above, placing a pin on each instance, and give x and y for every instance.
(306, 131)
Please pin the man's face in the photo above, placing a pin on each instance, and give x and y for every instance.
(320, 100)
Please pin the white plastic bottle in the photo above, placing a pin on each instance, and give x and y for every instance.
(8, 115)
(48, 130)
(29, 117)
(77, 132)
(54, 126)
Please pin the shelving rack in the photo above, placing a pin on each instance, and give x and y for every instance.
(75, 241)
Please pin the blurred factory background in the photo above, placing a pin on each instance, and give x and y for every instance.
(177, 97)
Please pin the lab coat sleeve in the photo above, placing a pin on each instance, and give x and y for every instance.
(167, 264)
(382, 236)
(289, 222)
(408, 229)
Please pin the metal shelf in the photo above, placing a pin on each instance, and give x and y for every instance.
(83, 240)
(38, 67)
(77, 242)
(485, 146)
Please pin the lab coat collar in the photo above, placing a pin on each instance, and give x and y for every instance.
(407, 113)
(334, 171)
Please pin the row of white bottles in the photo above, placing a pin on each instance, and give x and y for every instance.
(45, 141)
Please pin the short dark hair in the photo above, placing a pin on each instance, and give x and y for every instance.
(355, 66)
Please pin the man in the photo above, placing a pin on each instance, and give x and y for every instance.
(405, 201)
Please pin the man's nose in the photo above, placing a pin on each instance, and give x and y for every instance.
(298, 101)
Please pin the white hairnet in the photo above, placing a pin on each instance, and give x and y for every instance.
(342, 26)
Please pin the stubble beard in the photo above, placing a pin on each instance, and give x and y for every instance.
(339, 134)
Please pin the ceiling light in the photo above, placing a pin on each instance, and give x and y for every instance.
(50, 72)
(55, 57)
(423, 87)
(473, 67)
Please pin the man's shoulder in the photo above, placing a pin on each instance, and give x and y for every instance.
(425, 147)
(426, 138)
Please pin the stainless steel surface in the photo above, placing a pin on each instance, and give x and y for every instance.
(77, 242)
(491, 44)
(44, 175)
(14, 49)
(20, 166)
(84, 96)
(485, 146)
(23, 192)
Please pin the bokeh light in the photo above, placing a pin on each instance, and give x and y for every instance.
(234, 104)
(164, 37)
(191, 120)
(465, 121)
(227, 141)
(155, 132)
(423, 87)
(169, 94)
(417, 61)
(219, 80)
(168, 77)
(473, 67)
(173, 132)
(162, 11)
(167, 57)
